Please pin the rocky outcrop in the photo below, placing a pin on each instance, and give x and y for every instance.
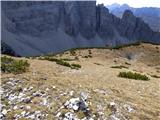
(33, 28)
(135, 28)
(105, 21)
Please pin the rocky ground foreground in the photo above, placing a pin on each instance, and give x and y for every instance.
(49, 91)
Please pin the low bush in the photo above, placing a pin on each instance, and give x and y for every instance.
(50, 59)
(132, 75)
(90, 56)
(119, 67)
(89, 51)
(127, 63)
(126, 45)
(75, 66)
(72, 52)
(67, 59)
(10, 65)
(87, 56)
(61, 62)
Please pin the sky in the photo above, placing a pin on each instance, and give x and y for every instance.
(133, 3)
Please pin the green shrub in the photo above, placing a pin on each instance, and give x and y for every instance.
(127, 63)
(126, 45)
(132, 75)
(75, 66)
(85, 56)
(119, 67)
(90, 56)
(97, 63)
(61, 62)
(89, 51)
(50, 59)
(10, 65)
(72, 52)
(67, 59)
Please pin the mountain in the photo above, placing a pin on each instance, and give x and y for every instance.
(113, 6)
(150, 15)
(50, 90)
(35, 28)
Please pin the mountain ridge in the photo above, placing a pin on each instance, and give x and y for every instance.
(35, 28)
(150, 15)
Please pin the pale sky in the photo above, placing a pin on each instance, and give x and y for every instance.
(133, 3)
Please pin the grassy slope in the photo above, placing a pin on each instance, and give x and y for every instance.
(96, 73)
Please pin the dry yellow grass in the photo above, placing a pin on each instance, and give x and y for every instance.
(96, 73)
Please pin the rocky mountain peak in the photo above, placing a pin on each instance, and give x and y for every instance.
(32, 28)
(128, 14)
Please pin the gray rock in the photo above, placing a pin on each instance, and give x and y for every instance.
(12, 97)
(28, 107)
(23, 113)
(70, 116)
(4, 111)
(21, 95)
(34, 28)
(32, 116)
(1, 116)
(113, 107)
(15, 107)
(83, 102)
(128, 108)
(113, 117)
(37, 94)
(26, 100)
(45, 102)
(73, 103)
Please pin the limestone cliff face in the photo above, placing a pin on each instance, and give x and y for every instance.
(80, 18)
(33, 28)
(135, 28)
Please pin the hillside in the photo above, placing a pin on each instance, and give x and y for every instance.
(150, 15)
(50, 91)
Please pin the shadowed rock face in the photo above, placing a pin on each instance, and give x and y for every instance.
(5, 49)
(33, 28)
(105, 26)
(80, 17)
(135, 28)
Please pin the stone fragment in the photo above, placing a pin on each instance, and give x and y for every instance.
(4, 111)
(112, 106)
(70, 116)
(73, 103)
(26, 100)
(23, 113)
(28, 107)
(71, 93)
